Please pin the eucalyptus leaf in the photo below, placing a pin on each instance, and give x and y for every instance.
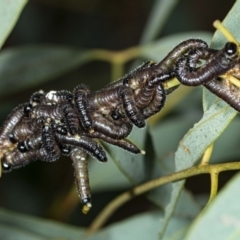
(13, 233)
(19, 226)
(221, 219)
(133, 166)
(226, 147)
(161, 11)
(231, 22)
(143, 226)
(216, 118)
(12, 224)
(28, 66)
(32, 65)
(205, 132)
(106, 176)
(165, 138)
(195, 142)
(187, 206)
(9, 14)
(167, 134)
(177, 228)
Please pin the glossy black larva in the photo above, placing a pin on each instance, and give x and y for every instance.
(217, 63)
(69, 123)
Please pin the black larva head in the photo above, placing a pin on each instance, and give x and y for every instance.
(65, 150)
(36, 97)
(12, 138)
(61, 130)
(86, 200)
(21, 147)
(115, 115)
(6, 166)
(27, 108)
(231, 49)
(87, 124)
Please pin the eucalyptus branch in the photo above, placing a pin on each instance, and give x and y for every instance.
(213, 170)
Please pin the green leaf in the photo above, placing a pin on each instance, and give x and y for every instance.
(195, 142)
(216, 118)
(9, 14)
(143, 226)
(19, 226)
(231, 22)
(133, 166)
(221, 219)
(161, 11)
(177, 228)
(29, 66)
(13, 233)
(205, 132)
(165, 138)
(106, 176)
(226, 148)
(187, 206)
(22, 227)
(167, 135)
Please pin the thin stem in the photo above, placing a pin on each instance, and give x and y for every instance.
(207, 155)
(126, 196)
(225, 32)
(232, 79)
(214, 184)
(116, 70)
(113, 56)
(171, 83)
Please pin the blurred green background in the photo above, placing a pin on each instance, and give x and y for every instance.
(95, 24)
